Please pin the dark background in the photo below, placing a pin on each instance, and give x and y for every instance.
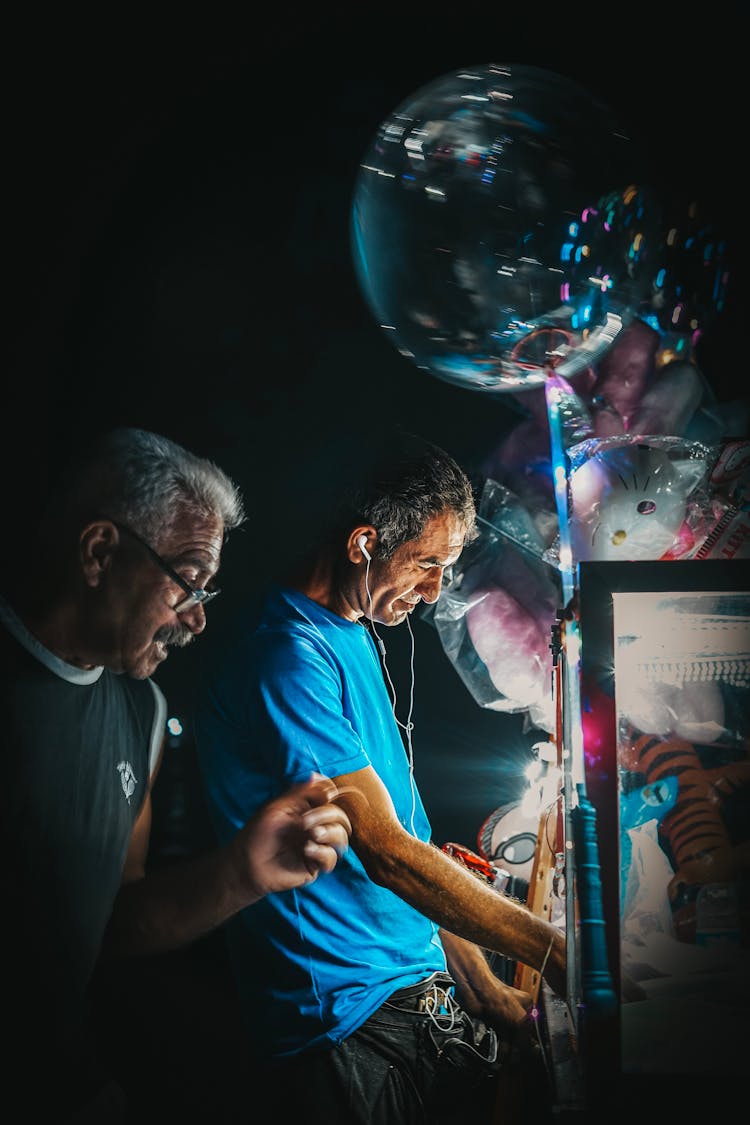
(178, 258)
(176, 252)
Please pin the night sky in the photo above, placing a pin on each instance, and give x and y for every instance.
(177, 248)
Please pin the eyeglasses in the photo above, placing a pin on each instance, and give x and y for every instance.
(193, 596)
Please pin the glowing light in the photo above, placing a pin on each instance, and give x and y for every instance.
(530, 802)
(566, 559)
(533, 771)
(573, 645)
(174, 726)
(602, 282)
(547, 751)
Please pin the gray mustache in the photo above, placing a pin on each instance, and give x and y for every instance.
(176, 635)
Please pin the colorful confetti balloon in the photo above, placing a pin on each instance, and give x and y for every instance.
(503, 225)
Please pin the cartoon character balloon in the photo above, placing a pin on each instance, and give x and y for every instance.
(630, 497)
(508, 838)
(502, 223)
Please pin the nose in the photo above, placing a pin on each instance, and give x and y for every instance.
(430, 586)
(194, 618)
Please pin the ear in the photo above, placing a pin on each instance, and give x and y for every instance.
(96, 547)
(361, 543)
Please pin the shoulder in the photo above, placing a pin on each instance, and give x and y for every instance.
(143, 698)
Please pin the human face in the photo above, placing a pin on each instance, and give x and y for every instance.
(192, 595)
(154, 616)
(414, 573)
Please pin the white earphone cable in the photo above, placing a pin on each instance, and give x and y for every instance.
(408, 726)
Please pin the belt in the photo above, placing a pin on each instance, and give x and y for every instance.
(430, 995)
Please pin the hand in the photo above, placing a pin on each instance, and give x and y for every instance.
(293, 838)
(509, 1011)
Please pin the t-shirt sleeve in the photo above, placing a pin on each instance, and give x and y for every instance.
(157, 727)
(301, 693)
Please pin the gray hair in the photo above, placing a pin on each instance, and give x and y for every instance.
(146, 481)
(399, 484)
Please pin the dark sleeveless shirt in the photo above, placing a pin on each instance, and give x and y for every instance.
(76, 748)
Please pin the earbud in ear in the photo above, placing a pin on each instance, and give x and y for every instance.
(362, 544)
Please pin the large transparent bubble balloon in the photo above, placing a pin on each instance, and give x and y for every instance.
(502, 225)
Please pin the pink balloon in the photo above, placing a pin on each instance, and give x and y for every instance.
(671, 400)
(624, 375)
(513, 645)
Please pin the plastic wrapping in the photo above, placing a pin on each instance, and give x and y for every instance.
(656, 497)
(636, 497)
(496, 611)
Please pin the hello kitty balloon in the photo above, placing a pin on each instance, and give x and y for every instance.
(630, 496)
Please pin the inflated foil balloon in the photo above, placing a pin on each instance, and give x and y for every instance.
(502, 226)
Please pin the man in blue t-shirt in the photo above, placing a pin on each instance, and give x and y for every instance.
(367, 994)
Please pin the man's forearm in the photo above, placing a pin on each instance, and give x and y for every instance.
(173, 906)
(439, 887)
(470, 969)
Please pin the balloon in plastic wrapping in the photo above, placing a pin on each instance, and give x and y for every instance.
(514, 646)
(496, 610)
(502, 224)
(630, 497)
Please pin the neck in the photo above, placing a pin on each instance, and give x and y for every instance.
(321, 583)
(55, 628)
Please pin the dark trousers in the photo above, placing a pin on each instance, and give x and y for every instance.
(399, 1068)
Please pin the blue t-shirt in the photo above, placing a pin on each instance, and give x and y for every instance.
(304, 691)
